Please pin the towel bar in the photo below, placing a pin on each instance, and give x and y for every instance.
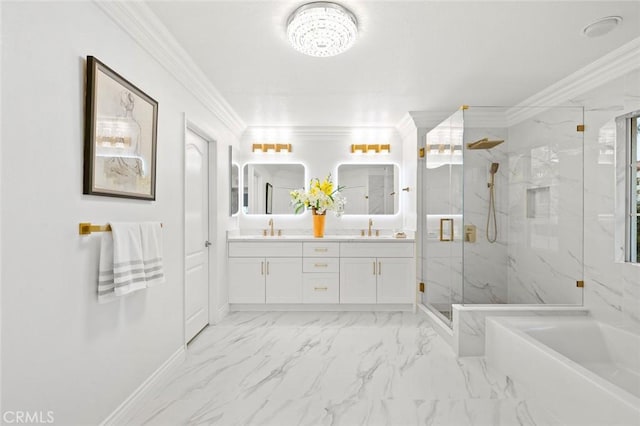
(86, 228)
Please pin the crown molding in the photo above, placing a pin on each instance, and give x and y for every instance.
(406, 125)
(139, 21)
(485, 117)
(429, 119)
(613, 65)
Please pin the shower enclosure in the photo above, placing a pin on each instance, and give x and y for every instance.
(501, 208)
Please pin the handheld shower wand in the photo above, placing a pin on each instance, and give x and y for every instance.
(492, 236)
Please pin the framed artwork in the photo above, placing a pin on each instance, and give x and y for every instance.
(269, 198)
(120, 136)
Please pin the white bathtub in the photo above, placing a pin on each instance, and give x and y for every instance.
(584, 371)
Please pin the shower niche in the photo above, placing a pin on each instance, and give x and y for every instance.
(501, 208)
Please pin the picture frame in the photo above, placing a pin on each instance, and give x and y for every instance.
(120, 143)
(269, 199)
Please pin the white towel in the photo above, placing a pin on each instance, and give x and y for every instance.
(128, 265)
(151, 236)
(106, 292)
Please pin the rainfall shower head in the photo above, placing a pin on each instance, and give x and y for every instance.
(484, 144)
(494, 168)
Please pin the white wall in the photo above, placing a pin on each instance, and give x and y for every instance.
(321, 151)
(612, 288)
(409, 171)
(61, 351)
(1, 203)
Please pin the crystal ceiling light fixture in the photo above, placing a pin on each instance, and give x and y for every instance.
(322, 29)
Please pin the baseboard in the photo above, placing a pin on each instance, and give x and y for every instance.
(128, 407)
(223, 311)
(301, 307)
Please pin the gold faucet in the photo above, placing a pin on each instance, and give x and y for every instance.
(271, 226)
(370, 225)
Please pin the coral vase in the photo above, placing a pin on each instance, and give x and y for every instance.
(318, 224)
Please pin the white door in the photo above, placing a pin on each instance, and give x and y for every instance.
(246, 279)
(358, 280)
(395, 280)
(196, 235)
(284, 280)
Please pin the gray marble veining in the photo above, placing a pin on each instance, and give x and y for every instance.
(333, 368)
(612, 287)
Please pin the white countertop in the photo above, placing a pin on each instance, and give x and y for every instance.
(387, 238)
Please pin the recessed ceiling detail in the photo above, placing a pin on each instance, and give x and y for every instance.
(322, 29)
(601, 26)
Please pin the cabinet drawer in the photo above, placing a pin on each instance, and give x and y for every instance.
(371, 249)
(320, 288)
(321, 249)
(321, 264)
(264, 249)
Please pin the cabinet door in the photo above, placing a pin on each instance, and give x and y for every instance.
(246, 279)
(358, 280)
(396, 280)
(284, 280)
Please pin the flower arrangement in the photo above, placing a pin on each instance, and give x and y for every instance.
(320, 197)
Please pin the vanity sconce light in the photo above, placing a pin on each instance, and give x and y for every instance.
(283, 147)
(265, 147)
(366, 148)
(443, 147)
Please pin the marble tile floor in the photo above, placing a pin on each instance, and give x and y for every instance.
(333, 368)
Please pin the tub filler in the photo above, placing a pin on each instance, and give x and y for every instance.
(585, 372)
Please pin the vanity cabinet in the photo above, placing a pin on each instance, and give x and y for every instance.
(385, 278)
(282, 283)
(358, 280)
(327, 272)
(395, 282)
(246, 280)
(320, 277)
(265, 272)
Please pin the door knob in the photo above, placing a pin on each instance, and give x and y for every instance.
(207, 244)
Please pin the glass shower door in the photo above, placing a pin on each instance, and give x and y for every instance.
(523, 193)
(442, 186)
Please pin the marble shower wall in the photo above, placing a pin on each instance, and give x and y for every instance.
(485, 264)
(545, 213)
(612, 288)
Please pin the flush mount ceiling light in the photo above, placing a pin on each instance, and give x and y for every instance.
(322, 29)
(601, 26)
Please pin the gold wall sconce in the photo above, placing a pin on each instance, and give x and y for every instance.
(283, 147)
(377, 148)
(265, 147)
(442, 148)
